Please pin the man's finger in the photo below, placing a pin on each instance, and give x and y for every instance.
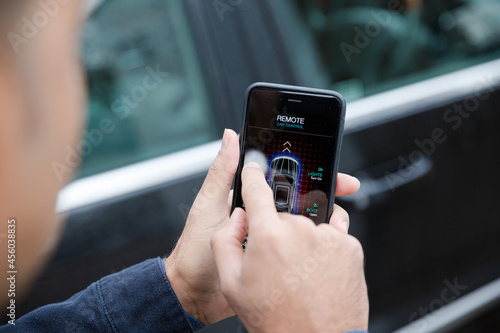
(230, 200)
(227, 250)
(346, 185)
(340, 219)
(257, 195)
(217, 184)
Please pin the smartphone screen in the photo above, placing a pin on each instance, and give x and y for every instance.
(294, 134)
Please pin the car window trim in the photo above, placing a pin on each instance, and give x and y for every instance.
(367, 112)
(458, 312)
(89, 7)
(421, 96)
(136, 177)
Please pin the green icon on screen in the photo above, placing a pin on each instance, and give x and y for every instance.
(320, 169)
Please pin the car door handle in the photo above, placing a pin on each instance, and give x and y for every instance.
(372, 187)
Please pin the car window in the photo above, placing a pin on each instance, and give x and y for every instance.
(148, 95)
(146, 90)
(369, 46)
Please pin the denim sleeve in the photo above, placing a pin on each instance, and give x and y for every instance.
(137, 299)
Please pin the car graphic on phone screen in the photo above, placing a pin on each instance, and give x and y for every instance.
(283, 181)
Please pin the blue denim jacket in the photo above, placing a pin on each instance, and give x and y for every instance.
(137, 299)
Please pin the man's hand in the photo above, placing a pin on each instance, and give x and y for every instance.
(294, 275)
(191, 267)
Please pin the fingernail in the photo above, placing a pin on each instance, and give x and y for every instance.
(236, 213)
(345, 225)
(225, 140)
(359, 183)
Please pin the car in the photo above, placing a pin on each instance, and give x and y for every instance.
(283, 179)
(422, 84)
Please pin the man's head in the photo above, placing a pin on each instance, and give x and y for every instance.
(42, 104)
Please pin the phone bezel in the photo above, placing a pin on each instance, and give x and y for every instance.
(313, 92)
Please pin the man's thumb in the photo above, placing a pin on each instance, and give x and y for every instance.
(217, 184)
(228, 252)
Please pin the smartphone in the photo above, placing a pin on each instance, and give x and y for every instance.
(294, 134)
